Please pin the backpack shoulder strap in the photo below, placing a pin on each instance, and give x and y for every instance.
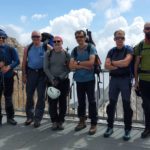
(75, 52)
(50, 53)
(29, 48)
(140, 47)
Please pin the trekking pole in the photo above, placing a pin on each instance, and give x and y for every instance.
(73, 86)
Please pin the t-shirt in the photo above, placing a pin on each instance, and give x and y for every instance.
(36, 57)
(119, 54)
(145, 60)
(84, 75)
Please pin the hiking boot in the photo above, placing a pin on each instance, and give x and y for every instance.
(145, 133)
(81, 125)
(60, 126)
(1, 116)
(126, 136)
(108, 132)
(37, 124)
(92, 130)
(54, 126)
(28, 122)
(11, 121)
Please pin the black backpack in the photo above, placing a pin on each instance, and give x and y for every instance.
(97, 62)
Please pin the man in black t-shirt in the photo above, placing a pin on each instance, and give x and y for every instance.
(118, 63)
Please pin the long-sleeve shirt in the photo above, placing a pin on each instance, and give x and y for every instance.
(10, 57)
(56, 64)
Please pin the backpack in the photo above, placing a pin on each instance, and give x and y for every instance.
(97, 62)
(131, 63)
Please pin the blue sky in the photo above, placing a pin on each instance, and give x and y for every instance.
(62, 17)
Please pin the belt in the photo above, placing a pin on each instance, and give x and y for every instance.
(36, 70)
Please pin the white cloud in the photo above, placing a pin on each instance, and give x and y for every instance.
(66, 25)
(39, 16)
(122, 6)
(101, 5)
(23, 19)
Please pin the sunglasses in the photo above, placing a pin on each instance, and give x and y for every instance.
(35, 37)
(79, 37)
(1, 37)
(119, 38)
(147, 28)
(57, 41)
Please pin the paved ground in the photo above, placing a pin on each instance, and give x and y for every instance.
(28, 138)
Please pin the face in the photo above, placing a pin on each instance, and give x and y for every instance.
(2, 40)
(57, 43)
(119, 39)
(36, 38)
(147, 31)
(80, 37)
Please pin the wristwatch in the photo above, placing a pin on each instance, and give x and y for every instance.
(78, 62)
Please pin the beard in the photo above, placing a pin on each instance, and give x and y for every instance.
(147, 35)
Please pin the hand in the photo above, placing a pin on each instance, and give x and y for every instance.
(24, 79)
(5, 69)
(136, 85)
(2, 64)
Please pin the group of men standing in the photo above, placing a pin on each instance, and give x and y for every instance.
(49, 65)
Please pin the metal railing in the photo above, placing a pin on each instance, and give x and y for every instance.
(19, 99)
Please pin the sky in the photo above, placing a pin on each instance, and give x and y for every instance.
(63, 17)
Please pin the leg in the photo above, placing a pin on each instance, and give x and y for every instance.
(125, 87)
(64, 87)
(30, 89)
(90, 90)
(1, 91)
(41, 87)
(8, 91)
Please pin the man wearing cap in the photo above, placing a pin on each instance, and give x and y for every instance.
(34, 78)
(56, 68)
(118, 63)
(142, 76)
(8, 61)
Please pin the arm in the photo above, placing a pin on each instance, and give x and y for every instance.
(46, 67)
(123, 63)
(15, 59)
(108, 65)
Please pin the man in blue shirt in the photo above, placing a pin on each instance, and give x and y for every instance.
(8, 61)
(118, 62)
(82, 62)
(34, 77)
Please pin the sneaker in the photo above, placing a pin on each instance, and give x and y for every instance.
(11, 121)
(81, 125)
(37, 124)
(126, 136)
(145, 133)
(54, 126)
(92, 130)
(60, 126)
(28, 122)
(108, 132)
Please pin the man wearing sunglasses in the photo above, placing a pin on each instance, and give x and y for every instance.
(34, 78)
(118, 63)
(142, 76)
(8, 61)
(56, 68)
(83, 64)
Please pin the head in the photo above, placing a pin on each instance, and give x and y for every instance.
(3, 37)
(147, 31)
(119, 38)
(36, 37)
(80, 36)
(58, 42)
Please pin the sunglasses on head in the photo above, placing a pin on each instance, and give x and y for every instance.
(35, 37)
(79, 37)
(119, 38)
(147, 28)
(1, 37)
(57, 41)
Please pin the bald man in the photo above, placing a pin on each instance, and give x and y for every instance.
(34, 78)
(142, 76)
